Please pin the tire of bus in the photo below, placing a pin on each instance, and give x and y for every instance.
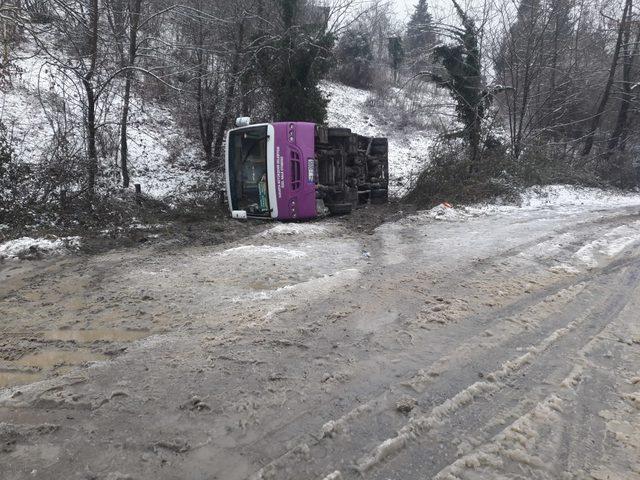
(340, 208)
(379, 195)
(339, 132)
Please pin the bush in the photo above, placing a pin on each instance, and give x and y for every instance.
(544, 163)
(15, 181)
(30, 191)
(448, 177)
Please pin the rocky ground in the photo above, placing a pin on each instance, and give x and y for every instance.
(386, 345)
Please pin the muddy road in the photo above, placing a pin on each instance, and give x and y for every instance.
(473, 345)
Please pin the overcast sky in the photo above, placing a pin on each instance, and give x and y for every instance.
(404, 8)
(439, 9)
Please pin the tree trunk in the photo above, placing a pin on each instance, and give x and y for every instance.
(205, 120)
(90, 118)
(595, 122)
(204, 99)
(230, 92)
(134, 21)
(92, 151)
(616, 139)
(124, 144)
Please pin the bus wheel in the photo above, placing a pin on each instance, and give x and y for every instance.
(379, 195)
(340, 208)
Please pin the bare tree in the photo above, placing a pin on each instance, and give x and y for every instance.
(604, 98)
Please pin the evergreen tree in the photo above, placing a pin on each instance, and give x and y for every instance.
(462, 63)
(354, 57)
(296, 62)
(421, 36)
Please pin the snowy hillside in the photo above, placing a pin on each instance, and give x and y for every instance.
(410, 140)
(39, 100)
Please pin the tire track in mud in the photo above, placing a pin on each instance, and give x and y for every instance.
(380, 395)
(573, 436)
(540, 381)
(303, 452)
(379, 405)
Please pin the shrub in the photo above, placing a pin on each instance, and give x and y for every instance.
(448, 177)
(15, 181)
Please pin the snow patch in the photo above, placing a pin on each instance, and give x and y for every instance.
(262, 251)
(609, 245)
(446, 212)
(24, 246)
(565, 195)
(563, 198)
(316, 286)
(336, 427)
(334, 476)
(564, 268)
(295, 229)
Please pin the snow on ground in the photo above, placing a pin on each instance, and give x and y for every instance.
(162, 159)
(161, 156)
(609, 245)
(263, 251)
(295, 229)
(409, 146)
(27, 246)
(563, 198)
(574, 251)
(566, 195)
(314, 286)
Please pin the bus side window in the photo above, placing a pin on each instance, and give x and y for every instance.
(296, 181)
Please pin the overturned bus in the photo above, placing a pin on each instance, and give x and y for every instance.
(301, 170)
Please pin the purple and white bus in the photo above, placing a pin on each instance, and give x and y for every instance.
(301, 170)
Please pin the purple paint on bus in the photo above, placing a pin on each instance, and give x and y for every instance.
(295, 170)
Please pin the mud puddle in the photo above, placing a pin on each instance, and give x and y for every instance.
(39, 365)
(96, 335)
(12, 379)
(51, 359)
(45, 362)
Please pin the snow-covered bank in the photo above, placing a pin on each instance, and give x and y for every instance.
(567, 195)
(30, 247)
(41, 103)
(409, 147)
(561, 198)
(571, 250)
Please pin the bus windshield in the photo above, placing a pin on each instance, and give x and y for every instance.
(248, 170)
